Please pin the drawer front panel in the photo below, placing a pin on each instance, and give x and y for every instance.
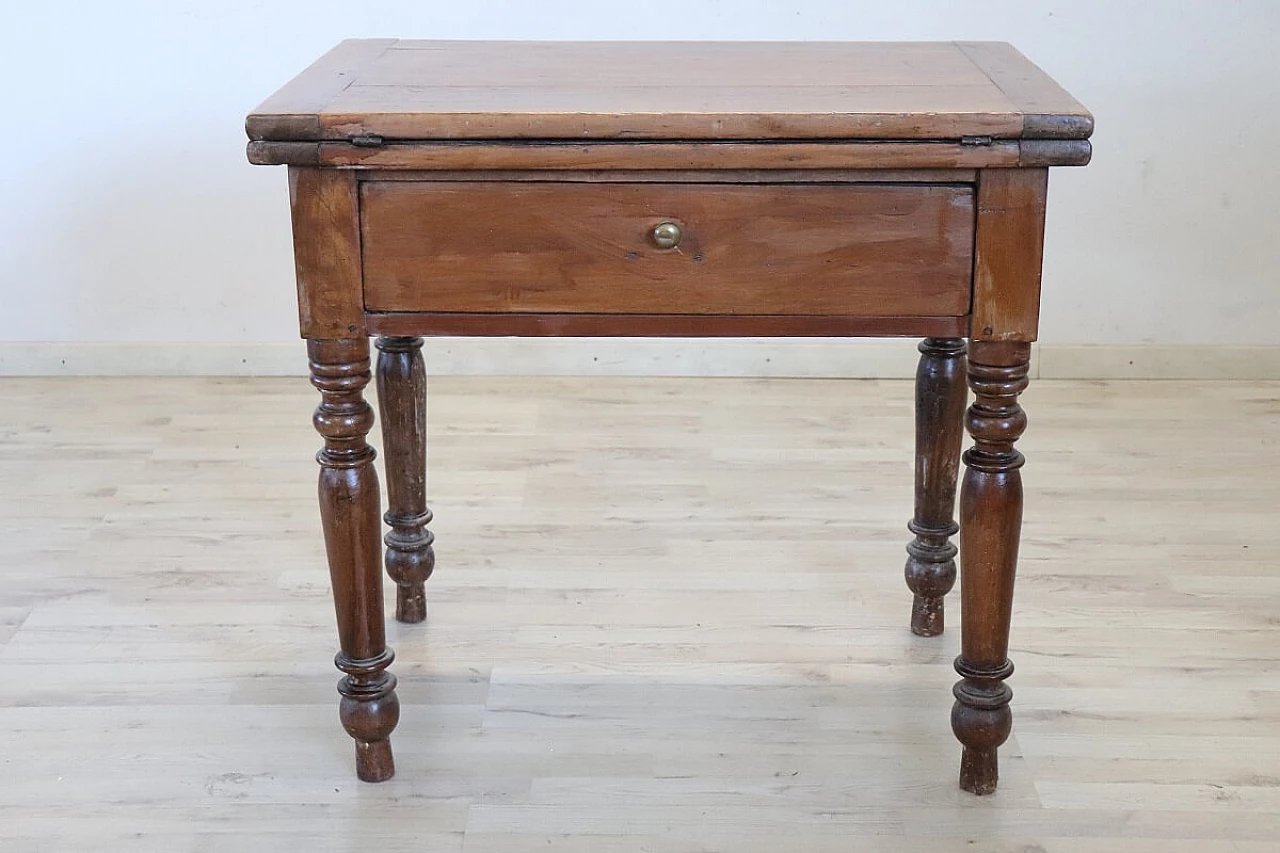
(849, 249)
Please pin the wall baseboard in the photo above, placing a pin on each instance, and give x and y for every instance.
(1138, 361)
(807, 357)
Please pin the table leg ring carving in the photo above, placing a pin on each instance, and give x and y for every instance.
(402, 390)
(931, 572)
(369, 711)
(410, 561)
(348, 493)
(982, 721)
(940, 399)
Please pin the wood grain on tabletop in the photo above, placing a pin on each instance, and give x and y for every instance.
(668, 613)
(410, 89)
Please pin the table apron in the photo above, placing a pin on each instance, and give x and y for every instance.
(659, 325)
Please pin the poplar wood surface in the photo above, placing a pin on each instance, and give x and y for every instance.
(940, 405)
(857, 250)
(411, 89)
(348, 492)
(659, 156)
(378, 250)
(402, 395)
(326, 252)
(669, 615)
(661, 325)
(1009, 246)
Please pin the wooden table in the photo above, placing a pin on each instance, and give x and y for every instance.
(672, 189)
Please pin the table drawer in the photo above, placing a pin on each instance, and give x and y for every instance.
(556, 247)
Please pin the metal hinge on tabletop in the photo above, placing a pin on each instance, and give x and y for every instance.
(975, 140)
(366, 140)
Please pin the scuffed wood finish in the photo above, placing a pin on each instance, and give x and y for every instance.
(1048, 110)
(326, 252)
(402, 403)
(673, 155)
(647, 156)
(940, 399)
(369, 709)
(664, 156)
(1041, 153)
(990, 530)
(1008, 251)
(416, 90)
(584, 248)
(663, 325)
(821, 189)
(293, 112)
(683, 176)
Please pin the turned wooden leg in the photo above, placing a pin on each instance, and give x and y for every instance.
(990, 525)
(940, 399)
(349, 499)
(402, 401)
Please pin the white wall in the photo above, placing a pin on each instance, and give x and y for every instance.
(130, 214)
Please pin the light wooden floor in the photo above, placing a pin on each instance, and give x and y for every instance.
(668, 616)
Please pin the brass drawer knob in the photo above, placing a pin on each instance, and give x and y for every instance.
(666, 235)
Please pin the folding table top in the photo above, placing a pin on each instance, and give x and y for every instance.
(433, 90)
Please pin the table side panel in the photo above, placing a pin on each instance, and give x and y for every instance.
(324, 206)
(1009, 250)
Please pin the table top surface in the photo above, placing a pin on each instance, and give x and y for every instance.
(424, 90)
